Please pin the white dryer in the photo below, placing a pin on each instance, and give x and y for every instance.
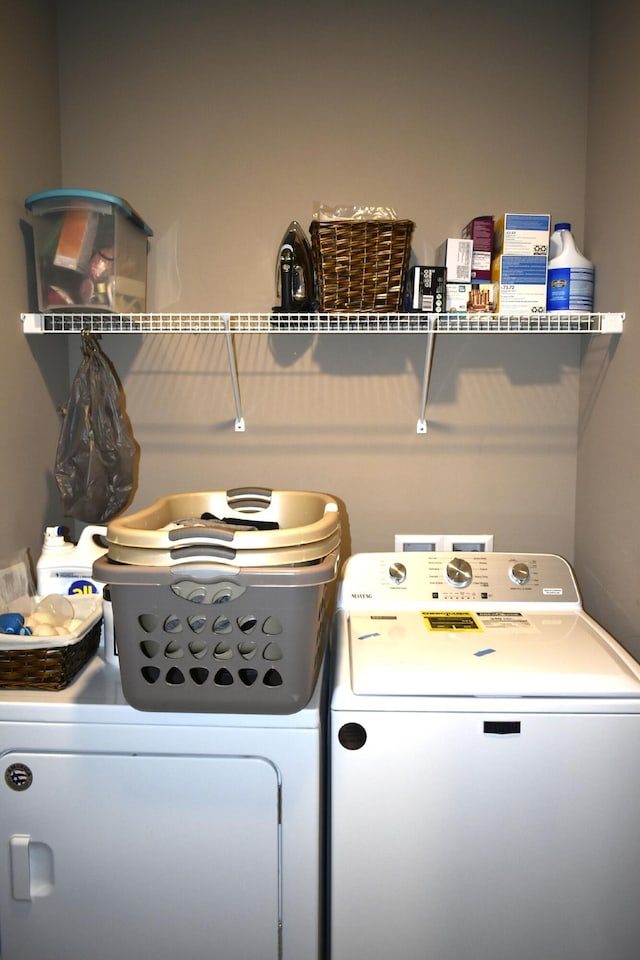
(484, 765)
(164, 836)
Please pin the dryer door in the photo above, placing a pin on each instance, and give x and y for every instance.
(113, 856)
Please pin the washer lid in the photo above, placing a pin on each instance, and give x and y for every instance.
(487, 653)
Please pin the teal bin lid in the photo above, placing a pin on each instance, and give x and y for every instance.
(36, 198)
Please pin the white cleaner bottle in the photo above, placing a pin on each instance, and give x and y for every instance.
(65, 567)
(555, 241)
(570, 276)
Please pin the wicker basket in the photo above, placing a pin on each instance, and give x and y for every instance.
(47, 668)
(361, 264)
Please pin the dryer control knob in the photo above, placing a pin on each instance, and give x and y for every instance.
(520, 573)
(459, 572)
(397, 572)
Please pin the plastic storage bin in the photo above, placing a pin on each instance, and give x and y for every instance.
(91, 252)
(214, 639)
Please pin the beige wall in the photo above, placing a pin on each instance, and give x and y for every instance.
(221, 123)
(608, 517)
(34, 376)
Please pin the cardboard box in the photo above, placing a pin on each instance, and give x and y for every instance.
(455, 254)
(480, 232)
(483, 298)
(472, 297)
(426, 289)
(75, 243)
(522, 283)
(521, 235)
(457, 297)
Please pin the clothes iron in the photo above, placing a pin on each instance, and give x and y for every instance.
(294, 272)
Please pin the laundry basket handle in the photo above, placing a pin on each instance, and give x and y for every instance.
(249, 498)
(212, 531)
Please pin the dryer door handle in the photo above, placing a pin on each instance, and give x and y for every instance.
(31, 867)
(20, 867)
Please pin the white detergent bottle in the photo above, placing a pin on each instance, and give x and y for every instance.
(570, 277)
(65, 567)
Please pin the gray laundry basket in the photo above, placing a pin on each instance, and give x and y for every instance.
(210, 638)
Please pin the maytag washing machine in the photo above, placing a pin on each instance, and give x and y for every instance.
(163, 836)
(484, 765)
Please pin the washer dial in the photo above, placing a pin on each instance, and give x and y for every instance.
(520, 573)
(397, 572)
(458, 572)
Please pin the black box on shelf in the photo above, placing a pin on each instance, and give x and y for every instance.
(426, 289)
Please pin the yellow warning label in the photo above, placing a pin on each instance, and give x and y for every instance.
(453, 620)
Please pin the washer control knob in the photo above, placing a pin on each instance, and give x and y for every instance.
(520, 573)
(397, 572)
(459, 572)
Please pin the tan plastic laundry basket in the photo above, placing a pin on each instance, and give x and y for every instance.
(245, 518)
(213, 552)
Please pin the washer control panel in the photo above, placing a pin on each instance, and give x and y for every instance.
(404, 580)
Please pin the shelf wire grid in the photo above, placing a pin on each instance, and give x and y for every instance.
(276, 322)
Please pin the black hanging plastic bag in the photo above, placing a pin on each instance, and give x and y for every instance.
(96, 455)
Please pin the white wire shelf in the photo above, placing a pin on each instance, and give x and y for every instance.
(238, 323)
(275, 322)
